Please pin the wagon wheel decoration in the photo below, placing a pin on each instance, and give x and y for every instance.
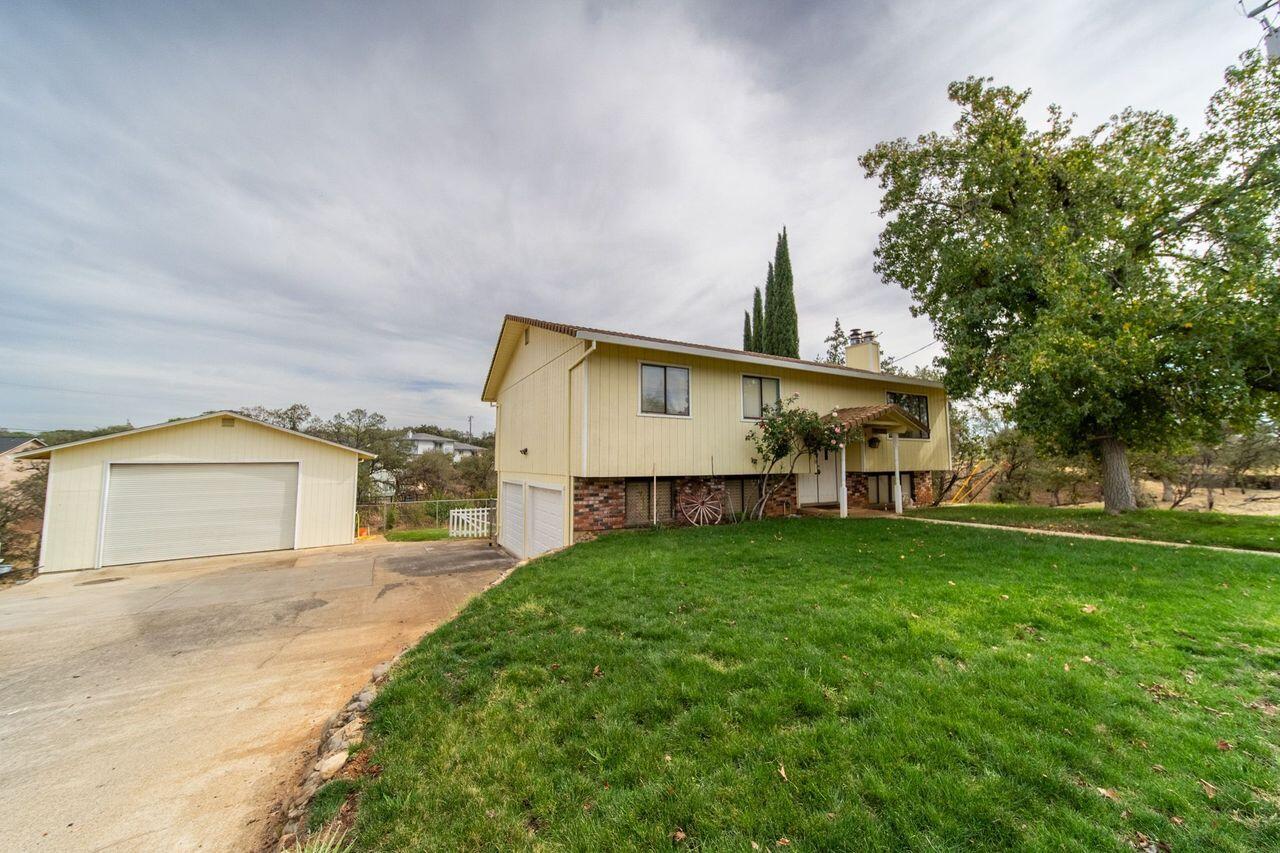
(707, 508)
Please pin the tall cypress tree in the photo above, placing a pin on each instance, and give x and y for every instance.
(757, 323)
(770, 299)
(783, 324)
(747, 337)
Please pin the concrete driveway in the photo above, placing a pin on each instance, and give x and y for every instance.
(168, 706)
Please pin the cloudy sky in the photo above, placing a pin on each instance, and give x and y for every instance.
(262, 203)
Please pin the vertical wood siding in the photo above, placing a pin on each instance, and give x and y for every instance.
(624, 443)
(534, 398)
(327, 485)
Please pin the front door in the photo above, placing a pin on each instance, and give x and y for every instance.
(824, 486)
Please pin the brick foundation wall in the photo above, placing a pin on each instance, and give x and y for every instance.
(599, 503)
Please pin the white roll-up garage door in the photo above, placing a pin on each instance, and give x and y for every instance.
(511, 530)
(547, 520)
(173, 511)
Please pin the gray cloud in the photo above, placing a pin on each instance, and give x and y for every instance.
(263, 203)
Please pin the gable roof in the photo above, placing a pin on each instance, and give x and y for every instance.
(13, 442)
(45, 452)
(882, 413)
(588, 333)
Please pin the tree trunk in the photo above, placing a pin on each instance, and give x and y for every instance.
(1166, 490)
(1117, 483)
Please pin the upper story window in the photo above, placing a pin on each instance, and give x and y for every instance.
(916, 405)
(664, 390)
(757, 393)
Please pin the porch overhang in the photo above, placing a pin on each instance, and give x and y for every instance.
(889, 416)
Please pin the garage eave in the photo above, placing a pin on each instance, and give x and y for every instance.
(47, 452)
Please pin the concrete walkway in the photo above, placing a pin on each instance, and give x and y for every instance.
(1095, 536)
(170, 706)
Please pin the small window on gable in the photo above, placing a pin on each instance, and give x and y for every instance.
(916, 405)
(664, 390)
(758, 393)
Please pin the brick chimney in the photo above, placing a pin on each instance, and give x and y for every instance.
(863, 351)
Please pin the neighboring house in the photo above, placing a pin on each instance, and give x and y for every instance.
(11, 469)
(425, 442)
(598, 430)
(220, 483)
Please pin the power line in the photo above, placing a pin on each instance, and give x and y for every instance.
(913, 352)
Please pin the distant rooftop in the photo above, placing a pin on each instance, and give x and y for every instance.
(7, 444)
(441, 439)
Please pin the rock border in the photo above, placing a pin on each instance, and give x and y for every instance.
(339, 733)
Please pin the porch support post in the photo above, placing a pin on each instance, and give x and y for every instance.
(844, 491)
(897, 478)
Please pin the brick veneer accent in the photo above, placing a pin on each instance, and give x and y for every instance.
(784, 501)
(855, 485)
(923, 482)
(599, 503)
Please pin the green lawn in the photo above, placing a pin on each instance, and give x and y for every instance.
(1261, 533)
(843, 685)
(421, 534)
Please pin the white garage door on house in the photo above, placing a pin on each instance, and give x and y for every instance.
(546, 521)
(532, 519)
(173, 511)
(511, 528)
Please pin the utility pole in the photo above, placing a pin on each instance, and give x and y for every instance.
(1272, 37)
(469, 426)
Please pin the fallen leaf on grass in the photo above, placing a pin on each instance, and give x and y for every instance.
(1089, 608)
(1209, 790)
(597, 672)
(1175, 820)
(1004, 598)
(784, 842)
(1147, 844)
(1159, 768)
(678, 836)
(782, 771)
(1109, 793)
(1224, 745)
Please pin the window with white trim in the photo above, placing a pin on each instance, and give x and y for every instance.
(664, 390)
(916, 405)
(758, 392)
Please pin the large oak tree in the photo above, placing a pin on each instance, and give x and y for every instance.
(1119, 289)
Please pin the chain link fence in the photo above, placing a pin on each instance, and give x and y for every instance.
(376, 518)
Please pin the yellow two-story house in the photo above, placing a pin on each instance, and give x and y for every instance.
(600, 430)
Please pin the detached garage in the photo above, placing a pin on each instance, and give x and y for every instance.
(221, 483)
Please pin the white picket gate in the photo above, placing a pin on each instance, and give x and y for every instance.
(473, 522)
